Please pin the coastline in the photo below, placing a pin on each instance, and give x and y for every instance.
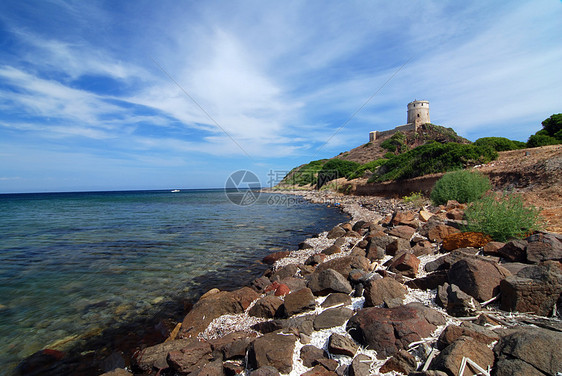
(223, 320)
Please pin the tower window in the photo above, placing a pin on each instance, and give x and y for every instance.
(418, 115)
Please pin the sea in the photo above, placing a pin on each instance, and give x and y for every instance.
(77, 263)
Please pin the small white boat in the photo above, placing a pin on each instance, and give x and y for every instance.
(175, 190)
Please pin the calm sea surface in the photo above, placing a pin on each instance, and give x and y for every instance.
(73, 263)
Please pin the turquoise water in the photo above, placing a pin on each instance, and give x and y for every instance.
(72, 263)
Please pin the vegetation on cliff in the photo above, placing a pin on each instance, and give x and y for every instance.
(550, 134)
(463, 186)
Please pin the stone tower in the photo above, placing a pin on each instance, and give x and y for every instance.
(418, 113)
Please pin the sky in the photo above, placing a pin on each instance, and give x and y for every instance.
(119, 95)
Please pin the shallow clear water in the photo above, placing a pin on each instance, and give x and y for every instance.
(72, 263)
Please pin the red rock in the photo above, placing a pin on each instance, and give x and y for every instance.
(270, 259)
(191, 358)
(282, 290)
(407, 265)
(455, 214)
(491, 249)
(440, 232)
(319, 370)
(478, 278)
(404, 232)
(465, 240)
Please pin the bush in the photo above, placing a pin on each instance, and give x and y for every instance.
(415, 198)
(538, 140)
(371, 166)
(432, 158)
(305, 174)
(396, 143)
(463, 186)
(500, 143)
(553, 124)
(334, 169)
(503, 219)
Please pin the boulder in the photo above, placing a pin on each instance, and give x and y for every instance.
(453, 332)
(352, 234)
(374, 252)
(299, 301)
(450, 358)
(331, 250)
(293, 283)
(191, 358)
(438, 232)
(445, 262)
(310, 354)
(341, 345)
(266, 307)
(232, 346)
(533, 289)
(260, 284)
(332, 317)
(525, 350)
(360, 225)
(214, 368)
(429, 282)
(305, 245)
(460, 304)
(336, 232)
(543, 247)
(478, 278)
(407, 265)
(403, 217)
(402, 362)
(492, 248)
(324, 282)
(404, 232)
(265, 371)
(319, 370)
(315, 259)
(336, 298)
(282, 290)
(398, 246)
(271, 258)
(455, 214)
(360, 366)
(387, 330)
(344, 265)
(379, 291)
(216, 305)
(154, 357)
(380, 241)
(465, 240)
(285, 272)
(273, 349)
(514, 251)
(329, 364)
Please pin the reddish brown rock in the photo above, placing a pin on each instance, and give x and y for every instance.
(402, 362)
(216, 305)
(324, 282)
(454, 332)
(344, 265)
(273, 349)
(407, 265)
(404, 232)
(336, 232)
(387, 330)
(543, 247)
(491, 249)
(191, 358)
(398, 246)
(310, 354)
(403, 218)
(450, 358)
(270, 259)
(439, 232)
(319, 370)
(299, 301)
(331, 250)
(341, 345)
(455, 214)
(154, 357)
(478, 278)
(514, 251)
(360, 366)
(282, 290)
(379, 291)
(232, 345)
(465, 240)
(266, 307)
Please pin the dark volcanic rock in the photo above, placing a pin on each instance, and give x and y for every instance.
(429, 282)
(331, 250)
(360, 366)
(454, 332)
(154, 357)
(445, 262)
(299, 301)
(332, 317)
(232, 345)
(265, 371)
(319, 370)
(535, 347)
(266, 307)
(285, 272)
(216, 305)
(344, 265)
(190, 359)
(379, 291)
(459, 303)
(398, 246)
(450, 358)
(514, 251)
(478, 278)
(402, 362)
(341, 345)
(310, 354)
(387, 330)
(271, 258)
(328, 281)
(407, 265)
(404, 232)
(543, 247)
(533, 289)
(273, 349)
(336, 232)
(335, 299)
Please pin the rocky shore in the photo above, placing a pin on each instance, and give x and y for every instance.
(397, 290)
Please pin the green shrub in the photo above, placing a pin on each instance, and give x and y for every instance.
(304, 175)
(500, 143)
(538, 140)
(396, 143)
(371, 166)
(432, 158)
(334, 169)
(415, 198)
(503, 219)
(553, 124)
(463, 186)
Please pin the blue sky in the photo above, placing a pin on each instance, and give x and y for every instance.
(96, 95)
